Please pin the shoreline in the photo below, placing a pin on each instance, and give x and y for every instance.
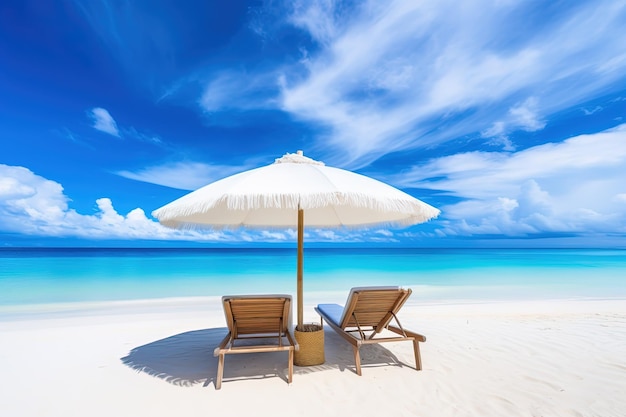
(212, 303)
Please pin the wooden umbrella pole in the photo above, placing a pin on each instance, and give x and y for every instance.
(300, 266)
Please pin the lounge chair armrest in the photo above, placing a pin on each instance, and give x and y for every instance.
(293, 341)
(417, 336)
(222, 344)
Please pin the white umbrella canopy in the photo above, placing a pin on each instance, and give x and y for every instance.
(281, 194)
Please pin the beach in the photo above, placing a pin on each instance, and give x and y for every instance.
(558, 357)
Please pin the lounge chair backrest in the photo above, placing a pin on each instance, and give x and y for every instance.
(257, 314)
(256, 318)
(373, 306)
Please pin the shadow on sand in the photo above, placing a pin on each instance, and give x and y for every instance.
(186, 359)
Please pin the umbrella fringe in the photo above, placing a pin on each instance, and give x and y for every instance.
(306, 202)
(219, 227)
(409, 221)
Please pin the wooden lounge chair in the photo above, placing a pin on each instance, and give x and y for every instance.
(369, 311)
(258, 323)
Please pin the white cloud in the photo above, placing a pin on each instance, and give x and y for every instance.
(142, 137)
(267, 235)
(33, 205)
(525, 116)
(219, 92)
(103, 121)
(576, 186)
(498, 136)
(316, 17)
(384, 232)
(182, 175)
(589, 112)
(522, 116)
(238, 90)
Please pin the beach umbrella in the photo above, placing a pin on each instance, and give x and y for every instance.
(293, 191)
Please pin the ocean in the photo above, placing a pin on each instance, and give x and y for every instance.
(32, 276)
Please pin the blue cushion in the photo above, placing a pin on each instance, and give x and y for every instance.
(334, 312)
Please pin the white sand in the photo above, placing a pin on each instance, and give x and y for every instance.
(548, 358)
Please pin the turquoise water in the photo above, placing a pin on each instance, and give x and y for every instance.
(60, 275)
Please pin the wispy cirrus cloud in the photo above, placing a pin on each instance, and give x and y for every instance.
(406, 74)
(103, 121)
(589, 112)
(238, 90)
(181, 175)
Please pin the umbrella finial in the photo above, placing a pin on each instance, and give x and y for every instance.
(296, 158)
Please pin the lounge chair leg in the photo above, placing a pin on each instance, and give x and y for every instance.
(220, 371)
(290, 365)
(357, 359)
(418, 356)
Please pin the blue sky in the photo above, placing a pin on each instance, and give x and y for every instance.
(507, 115)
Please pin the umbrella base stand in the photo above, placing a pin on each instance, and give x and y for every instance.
(311, 342)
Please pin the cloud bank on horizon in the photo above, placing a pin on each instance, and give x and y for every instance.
(506, 115)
